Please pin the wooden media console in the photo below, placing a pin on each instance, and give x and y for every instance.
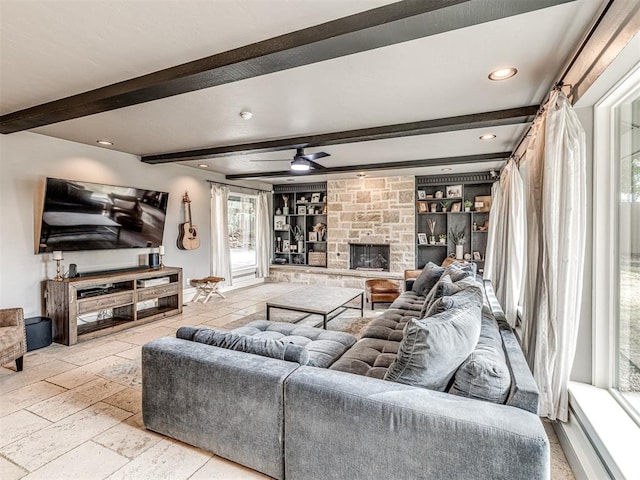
(95, 305)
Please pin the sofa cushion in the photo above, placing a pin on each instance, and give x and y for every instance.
(389, 325)
(323, 346)
(430, 274)
(370, 357)
(243, 343)
(484, 375)
(409, 302)
(433, 348)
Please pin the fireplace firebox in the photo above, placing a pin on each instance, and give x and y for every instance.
(367, 256)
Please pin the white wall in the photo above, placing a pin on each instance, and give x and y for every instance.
(582, 363)
(27, 158)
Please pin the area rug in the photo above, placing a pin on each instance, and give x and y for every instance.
(348, 321)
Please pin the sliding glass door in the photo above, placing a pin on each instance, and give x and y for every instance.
(242, 234)
(627, 152)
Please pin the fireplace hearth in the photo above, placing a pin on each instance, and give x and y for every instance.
(368, 256)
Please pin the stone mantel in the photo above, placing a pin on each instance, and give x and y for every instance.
(338, 277)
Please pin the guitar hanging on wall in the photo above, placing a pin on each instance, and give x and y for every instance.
(188, 237)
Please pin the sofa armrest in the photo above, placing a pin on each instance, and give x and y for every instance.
(340, 425)
(11, 317)
(524, 391)
(227, 402)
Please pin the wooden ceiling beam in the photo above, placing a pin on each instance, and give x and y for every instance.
(428, 162)
(463, 122)
(387, 25)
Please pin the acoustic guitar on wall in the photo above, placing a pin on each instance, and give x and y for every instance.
(188, 237)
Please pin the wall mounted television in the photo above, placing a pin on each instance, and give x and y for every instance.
(92, 216)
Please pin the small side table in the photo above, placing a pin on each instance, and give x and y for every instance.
(205, 287)
(38, 332)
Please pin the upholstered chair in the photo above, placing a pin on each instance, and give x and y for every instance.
(13, 336)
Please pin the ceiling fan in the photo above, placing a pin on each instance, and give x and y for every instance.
(302, 162)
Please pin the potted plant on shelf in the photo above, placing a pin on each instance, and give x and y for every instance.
(445, 205)
(298, 235)
(458, 239)
(443, 239)
(431, 222)
(467, 205)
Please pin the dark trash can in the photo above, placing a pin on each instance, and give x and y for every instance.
(38, 332)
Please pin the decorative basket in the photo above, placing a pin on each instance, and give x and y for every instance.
(318, 259)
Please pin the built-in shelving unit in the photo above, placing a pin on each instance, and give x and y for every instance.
(441, 199)
(300, 224)
(95, 305)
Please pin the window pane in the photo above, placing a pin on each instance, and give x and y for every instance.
(242, 232)
(628, 146)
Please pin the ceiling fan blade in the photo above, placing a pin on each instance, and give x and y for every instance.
(315, 165)
(272, 160)
(317, 155)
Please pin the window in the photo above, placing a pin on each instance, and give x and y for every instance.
(626, 143)
(242, 234)
(616, 245)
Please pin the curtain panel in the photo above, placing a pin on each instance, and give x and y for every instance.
(531, 170)
(263, 236)
(554, 167)
(505, 262)
(220, 252)
(564, 196)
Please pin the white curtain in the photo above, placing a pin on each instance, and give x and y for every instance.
(493, 245)
(263, 236)
(220, 252)
(558, 290)
(505, 261)
(531, 170)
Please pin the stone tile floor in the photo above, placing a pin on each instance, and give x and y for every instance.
(75, 412)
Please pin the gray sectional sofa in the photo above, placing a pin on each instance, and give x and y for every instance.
(313, 404)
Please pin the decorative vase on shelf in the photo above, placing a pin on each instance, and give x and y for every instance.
(300, 246)
(459, 252)
(432, 239)
(285, 210)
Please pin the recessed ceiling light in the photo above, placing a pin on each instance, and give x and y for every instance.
(487, 136)
(105, 142)
(289, 179)
(246, 114)
(446, 169)
(503, 73)
(203, 165)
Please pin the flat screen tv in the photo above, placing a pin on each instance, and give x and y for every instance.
(92, 216)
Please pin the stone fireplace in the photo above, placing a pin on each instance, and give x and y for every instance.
(363, 256)
(371, 211)
(364, 211)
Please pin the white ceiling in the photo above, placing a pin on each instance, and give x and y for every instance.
(52, 49)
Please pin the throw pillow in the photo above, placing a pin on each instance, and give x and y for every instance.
(484, 375)
(446, 287)
(265, 347)
(430, 274)
(432, 349)
(458, 271)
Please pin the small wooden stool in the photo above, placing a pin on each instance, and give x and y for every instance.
(381, 290)
(206, 287)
